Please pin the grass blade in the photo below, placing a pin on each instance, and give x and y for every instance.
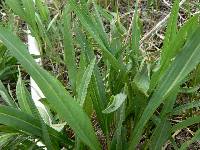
(184, 107)
(16, 7)
(42, 9)
(183, 64)
(171, 30)
(69, 52)
(161, 135)
(99, 24)
(175, 46)
(53, 90)
(27, 105)
(5, 95)
(185, 123)
(22, 96)
(96, 87)
(82, 90)
(135, 44)
(162, 131)
(88, 24)
(25, 123)
(118, 139)
(29, 9)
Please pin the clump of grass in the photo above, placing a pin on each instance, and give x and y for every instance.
(133, 98)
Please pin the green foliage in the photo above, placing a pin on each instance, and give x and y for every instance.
(8, 64)
(5, 95)
(54, 91)
(69, 52)
(129, 98)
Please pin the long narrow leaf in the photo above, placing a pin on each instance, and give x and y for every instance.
(171, 30)
(5, 95)
(43, 9)
(22, 96)
(27, 105)
(87, 22)
(82, 90)
(54, 91)
(135, 34)
(17, 8)
(161, 135)
(69, 51)
(184, 63)
(175, 46)
(25, 123)
(184, 107)
(96, 87)
(186, 123)
(162, 131)
(29, 9)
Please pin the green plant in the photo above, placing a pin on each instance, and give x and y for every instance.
(8, 64)
(132, 98)
(22, 120)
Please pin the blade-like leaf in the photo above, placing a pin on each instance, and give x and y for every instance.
(87, 22)
(96, 87)
(185, 123)
(183, 64)
(27, 124)
(5, 95)
(27, 105)
(17, 8)
(171, 30)
(117, 101)
(29, 9)
(82, 90)
(161, 135)
(43, 9)
(53, 90)
(69, 51)
(119, 139)
(174, 47)
(184, 107)
(135, 34)
(5, 138)
(162, 131)
(22, 96)
(99, 23)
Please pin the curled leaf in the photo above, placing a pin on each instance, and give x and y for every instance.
(117, 101)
